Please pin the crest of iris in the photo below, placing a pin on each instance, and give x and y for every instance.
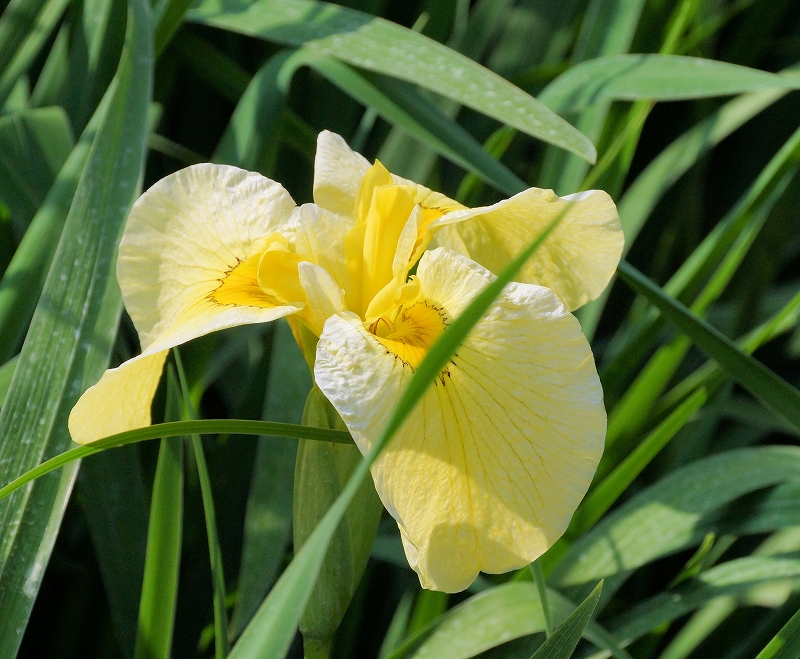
(392, 229)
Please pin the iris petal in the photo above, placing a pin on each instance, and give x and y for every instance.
(576, 261)
(188, 265)
(487, 471)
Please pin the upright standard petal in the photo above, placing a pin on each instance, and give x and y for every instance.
(206, 248)
(338, 171)
(576, 261)
(487, 471)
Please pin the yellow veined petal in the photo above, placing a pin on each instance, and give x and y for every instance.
(389, 212)
(338, 171)
(576, 261)
(185, 236)
(397, 290)
(376, 176)
(487, 471)
(119, 402)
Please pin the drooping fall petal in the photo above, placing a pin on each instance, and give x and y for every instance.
(486, 472)
(190, 263)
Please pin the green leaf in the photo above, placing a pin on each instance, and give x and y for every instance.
(54, 72)
(25, 276)
(607, 29)
(255, 122)
(169, 14)
(654, 77)
(28, 50)
(378, 45)
(494, 617)
(221, 644)
(397, 627)
(164, 539)
(730, 578)
(723, 248)
(6, 373)
(601, 498)
(643, 194)
(96, 40)
(428, 606)
(484, 621)
(563, 641)
(33, 146)
(406, 107)
(321, 472)
(68, 345)
(786, 644)
(16, 23)
(757, 378)
(176, 429)
(671, 515)
(111, 491)
(268, 521)
(673, 162)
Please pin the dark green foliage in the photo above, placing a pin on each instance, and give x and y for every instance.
(692, 519)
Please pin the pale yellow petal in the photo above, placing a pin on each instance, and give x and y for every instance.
(321, 237)
(184, 236)
(577, 260)
(488, 470)
(119, 402)
(325, 297)
(338, 171)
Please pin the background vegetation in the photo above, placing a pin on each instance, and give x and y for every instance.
(694, 517)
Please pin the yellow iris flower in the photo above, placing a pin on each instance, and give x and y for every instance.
(487, 471)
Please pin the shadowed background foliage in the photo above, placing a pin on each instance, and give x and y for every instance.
(694, 516)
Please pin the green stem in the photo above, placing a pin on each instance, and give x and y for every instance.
(222, 648)
(541, 586)
(317, 649)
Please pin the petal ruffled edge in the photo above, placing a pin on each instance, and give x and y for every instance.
(577, 260)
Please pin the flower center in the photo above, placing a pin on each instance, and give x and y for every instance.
(413, 331)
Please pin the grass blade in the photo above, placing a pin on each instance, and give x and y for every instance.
(33, 146)
(654, 77)
(28, 50)
(268, 522)
(6, 373)
(111, 491)
(614, 485)
(176, 429)
(786, 644)
(25, 276)
(162, 562)
(379, 45)
(71, 334)
(406, 107)
(214, 551)
(563, 641)
(754, 376)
